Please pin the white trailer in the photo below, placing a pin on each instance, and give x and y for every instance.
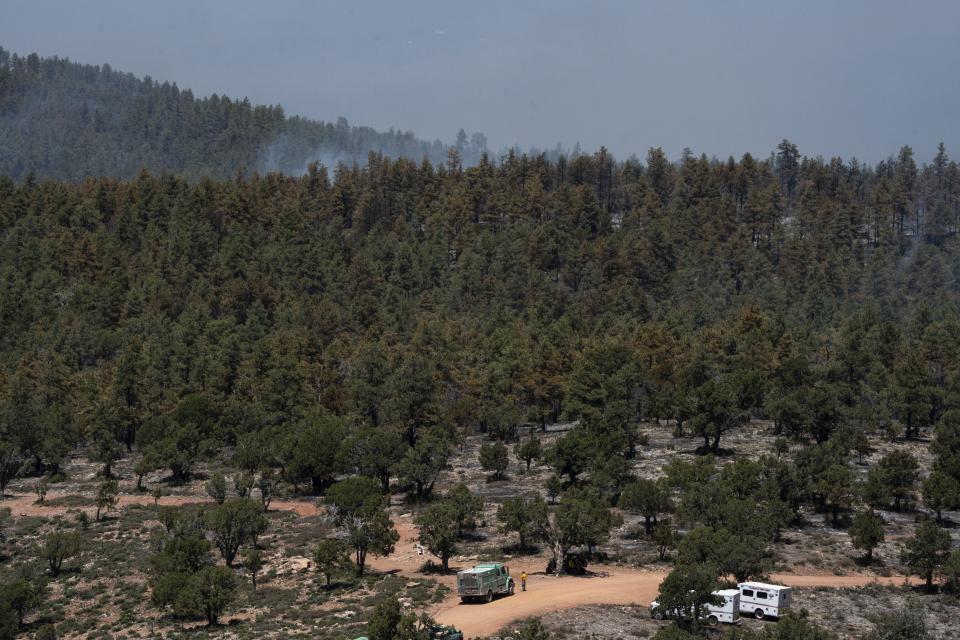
(728, 611)
(762, 600)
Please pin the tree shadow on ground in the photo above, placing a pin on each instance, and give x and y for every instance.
(875, 562)
(431, 567)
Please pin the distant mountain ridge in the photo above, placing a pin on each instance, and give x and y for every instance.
(66, 121)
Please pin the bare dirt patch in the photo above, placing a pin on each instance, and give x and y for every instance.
(107, 593)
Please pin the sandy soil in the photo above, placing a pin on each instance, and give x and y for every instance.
(617, 585)
(815, 551)
(621, 587)
(547, 593)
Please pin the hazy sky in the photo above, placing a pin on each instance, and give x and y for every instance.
(722, 77)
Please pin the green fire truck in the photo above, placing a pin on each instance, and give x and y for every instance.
(484, 581)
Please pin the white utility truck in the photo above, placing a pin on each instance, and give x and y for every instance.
(761, 600)
(728, 612)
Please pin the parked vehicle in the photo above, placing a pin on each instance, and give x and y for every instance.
(728, 611)
(440, 632)
(484, 581)
(436, 632)
(762, 600)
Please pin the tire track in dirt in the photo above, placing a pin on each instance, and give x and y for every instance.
(547, 593)
(622, 586)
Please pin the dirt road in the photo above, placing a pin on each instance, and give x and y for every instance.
(622, 586)
(546, 593)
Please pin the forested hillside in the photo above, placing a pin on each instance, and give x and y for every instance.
(419, 300)
(66, 121)
(340, 336)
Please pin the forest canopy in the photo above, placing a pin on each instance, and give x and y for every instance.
(65, 121)
(423, 300)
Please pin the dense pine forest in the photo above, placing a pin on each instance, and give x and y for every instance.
(674, 356)
(65, 121)
(178, 301)
(422, 302)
